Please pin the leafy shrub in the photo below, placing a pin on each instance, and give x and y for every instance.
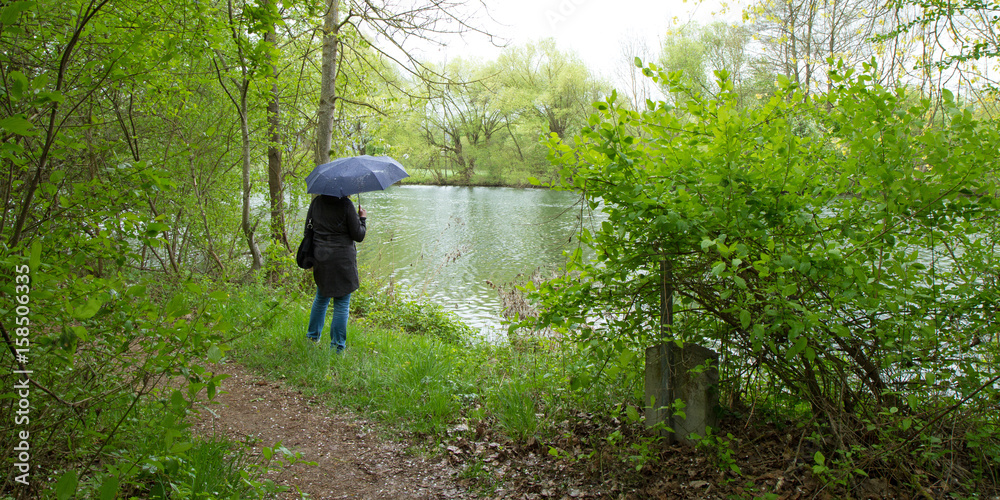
(848, 266)
(117, 363)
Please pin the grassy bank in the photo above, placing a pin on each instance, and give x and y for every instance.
(527, 415)
(513, 178)
(411, 365)
(427, 378)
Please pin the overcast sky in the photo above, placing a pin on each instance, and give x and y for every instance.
(594, 29)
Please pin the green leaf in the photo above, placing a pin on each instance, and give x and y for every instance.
(810, 354)
(579, 382)
(632, 413)
(45, 97)
(13, 10)
(181, 447)
(799, 346)
(819, 458)
(35, 254)
(214, 354)
(17, 124)
(80, 332)
(109, 488)
(745, 318)
(174, 307)
(18, 83)
(719, 268)
(155, 228)
(66, 486)
(88, 310)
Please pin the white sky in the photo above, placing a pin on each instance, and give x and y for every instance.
(594, 29)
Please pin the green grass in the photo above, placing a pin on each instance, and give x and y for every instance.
(515, 409)
(142, 465)
(394, 376)
(407, 366)
(210, 469)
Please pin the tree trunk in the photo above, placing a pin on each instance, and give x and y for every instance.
(809, 42)
(276, 191)
(328, 83)
(666, 300)
(248, 230)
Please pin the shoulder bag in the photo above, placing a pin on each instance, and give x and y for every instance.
(304, 256)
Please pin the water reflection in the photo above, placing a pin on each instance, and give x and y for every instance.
(449, 242)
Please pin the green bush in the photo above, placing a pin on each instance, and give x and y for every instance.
(848, 266)
(118, 363)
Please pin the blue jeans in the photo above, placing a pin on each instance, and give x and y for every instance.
(338, 326)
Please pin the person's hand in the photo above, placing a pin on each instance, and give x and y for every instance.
(362, 212)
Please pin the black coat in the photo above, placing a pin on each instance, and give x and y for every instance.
(336, 226)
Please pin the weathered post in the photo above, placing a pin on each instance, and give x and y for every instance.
(690, 374)
(679, 372)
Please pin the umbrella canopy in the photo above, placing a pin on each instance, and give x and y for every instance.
(354, 174)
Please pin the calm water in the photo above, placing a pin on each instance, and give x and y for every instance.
(448, 243)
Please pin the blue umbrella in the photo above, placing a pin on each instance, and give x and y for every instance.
(354, 174)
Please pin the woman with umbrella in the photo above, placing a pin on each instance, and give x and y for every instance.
(336, 227)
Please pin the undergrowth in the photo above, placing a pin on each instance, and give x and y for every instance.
(422, 371)
(533, 401)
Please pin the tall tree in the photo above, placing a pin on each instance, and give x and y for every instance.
(367, 24)
(236, 72)
(328, 82)
(799, 37)
(702, 52)
(461, 119)
(631, 83)
(275, 179)
(560, 86)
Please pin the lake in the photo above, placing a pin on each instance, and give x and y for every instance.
(449, 243)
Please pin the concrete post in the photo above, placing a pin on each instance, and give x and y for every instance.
(672, 373)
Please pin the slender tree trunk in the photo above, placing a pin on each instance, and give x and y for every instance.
(666, 300)
(809, 42)
(248, 230)
(328, 82)
(276, 191)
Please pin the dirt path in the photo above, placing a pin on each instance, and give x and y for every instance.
(352, 462)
